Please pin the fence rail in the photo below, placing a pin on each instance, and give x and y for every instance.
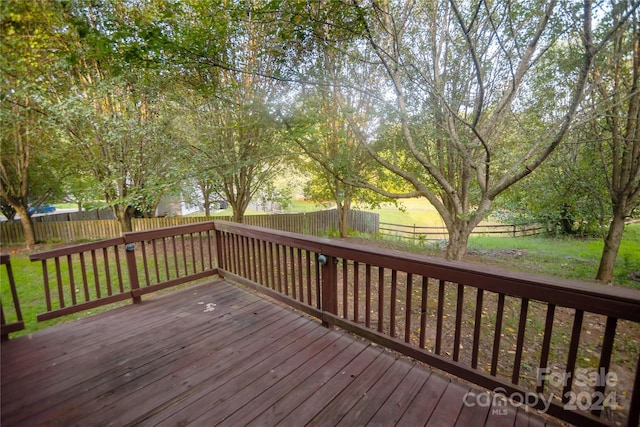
(312, 223)
(419, 234)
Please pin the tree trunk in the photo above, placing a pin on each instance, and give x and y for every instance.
(207, 203)
(238, 206)
(343, 217)
(27, 226)
(238, 215)
(610, 251)
(124, 215)
(458, 240)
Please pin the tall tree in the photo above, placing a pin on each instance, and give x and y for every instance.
(333, 155)
(616, 132)
(460, 80)
(229, 119)
(114, 109)
(30, 73)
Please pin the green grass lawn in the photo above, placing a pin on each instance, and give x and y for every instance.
(417, 212)
(567, 257)
(573, 258)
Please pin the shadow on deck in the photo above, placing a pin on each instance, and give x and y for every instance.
(217, 354)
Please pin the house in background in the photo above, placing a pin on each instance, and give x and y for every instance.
(170, 205)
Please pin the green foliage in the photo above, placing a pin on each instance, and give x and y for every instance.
(565, 193)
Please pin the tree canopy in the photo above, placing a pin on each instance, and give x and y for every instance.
(455, 102)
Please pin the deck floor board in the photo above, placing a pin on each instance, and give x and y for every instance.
(178, 359)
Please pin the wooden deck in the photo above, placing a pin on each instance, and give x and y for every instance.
(217, 354)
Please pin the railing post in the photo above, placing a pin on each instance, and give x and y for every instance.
(329, 289)
(132, 267)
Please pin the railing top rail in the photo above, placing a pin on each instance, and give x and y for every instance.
(70, 250)
(158, 233)
(132, 237)
(618, 302)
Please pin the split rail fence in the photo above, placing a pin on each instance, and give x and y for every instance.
(418, 234)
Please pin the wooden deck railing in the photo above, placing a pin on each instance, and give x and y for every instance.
(90, 275)
(537, 340)
(16, 323)
(564, 347)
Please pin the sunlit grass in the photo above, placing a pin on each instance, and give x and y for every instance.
(567, 257)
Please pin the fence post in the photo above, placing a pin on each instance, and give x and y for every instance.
(329, 289)
(132, 267)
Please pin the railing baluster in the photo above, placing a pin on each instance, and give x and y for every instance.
(407, 308)
(272, 266)
(246, 268)
(184, 256)
(292, 269)
(250, 259)
(59, 282)
(392, 299)
(201, 248)
(107, 271)
(85, 281)
(605, 360)
(119, 269)
(279, 266)
(546, 345)
(175, 256)
(476, 328)
(345, 289)
(72, 283)
(155, 259)
(308, 259)
(367, 303)
(497, 333)
(423, 311)
(147, 278)
(380, 299)
(440, 316)
(262, 260)
(318, 283)
(458, 327)
(210, 246)
(300, 281)
(193, 253)
(96, 275)
(45, 277)
(166, 258)
(524, 307)
(356, 291)
(573, 354)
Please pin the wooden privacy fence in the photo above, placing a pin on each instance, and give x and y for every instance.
(312, 223)
(420, 234)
